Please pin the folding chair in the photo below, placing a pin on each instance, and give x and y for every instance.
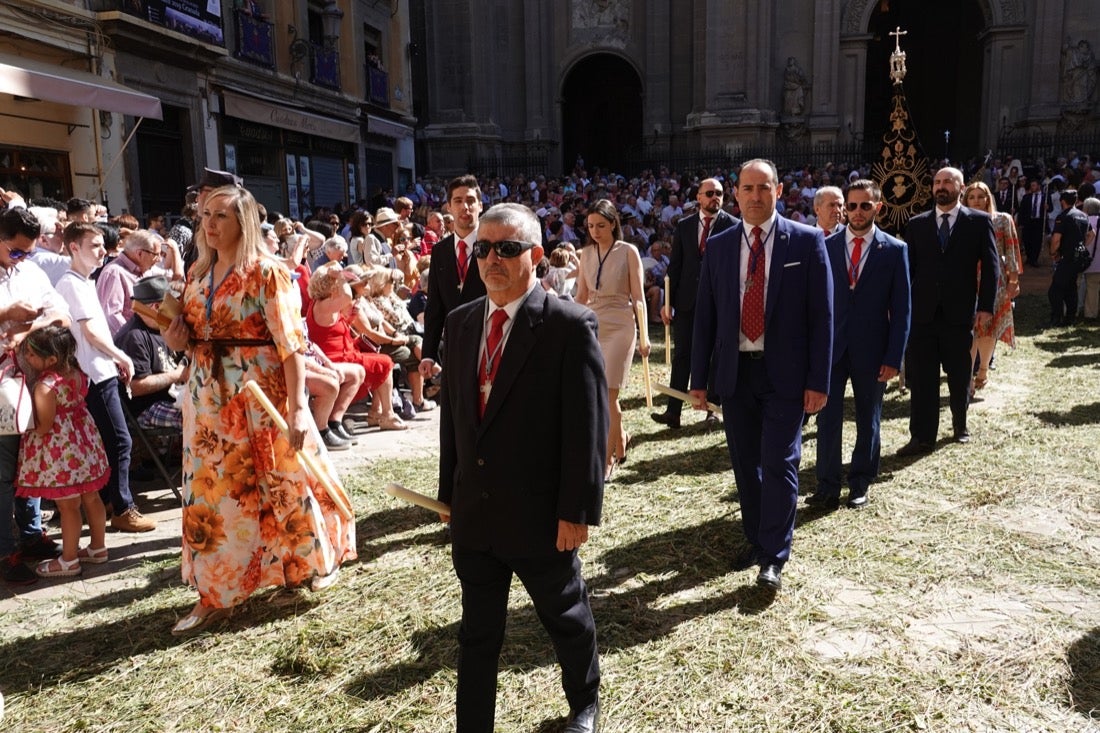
(148, 436)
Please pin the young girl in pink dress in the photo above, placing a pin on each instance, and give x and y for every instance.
(62, 457)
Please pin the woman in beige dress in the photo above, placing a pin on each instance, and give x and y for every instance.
(609, 282)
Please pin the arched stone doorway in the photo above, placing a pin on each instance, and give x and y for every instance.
(601, 113)
(944, 84)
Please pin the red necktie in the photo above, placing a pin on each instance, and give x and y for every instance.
(490, 360)
(853, 267)
(706, 233)
(752, 307)
(462, 261)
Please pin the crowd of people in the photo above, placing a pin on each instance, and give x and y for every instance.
(779, 288)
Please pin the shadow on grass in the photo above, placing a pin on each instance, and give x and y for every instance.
(1076, 415)
(86, 653)
(624, 602)
(373, 527)
(1075, 360)
(1083, 657)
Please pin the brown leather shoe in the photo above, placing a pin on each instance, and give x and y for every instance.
(132, 520)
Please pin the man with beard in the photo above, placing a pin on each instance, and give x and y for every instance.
(870, 326)
(945, 247)
(688, 245)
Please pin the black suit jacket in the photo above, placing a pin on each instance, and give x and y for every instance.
(685, 261)
(947, 281)
(538, 454)
(445, 293)
(1005, 200)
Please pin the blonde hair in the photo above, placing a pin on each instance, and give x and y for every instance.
(378, 278)
(323, 282)
(251, 248)
(990, 207)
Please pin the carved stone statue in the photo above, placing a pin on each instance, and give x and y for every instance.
(1078, 73)
(795, 85)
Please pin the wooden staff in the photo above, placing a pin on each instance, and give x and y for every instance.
(419, 499)
(332, 488)
(685, 397)
(144, 309)
(668, 328)
(643, 336)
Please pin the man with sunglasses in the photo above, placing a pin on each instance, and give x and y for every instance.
(27, 300)
(870, 326)
(514, 355)
(454, 278)
(688, 245)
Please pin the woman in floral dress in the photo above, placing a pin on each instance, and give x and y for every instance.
(253, 516)
(977, 196)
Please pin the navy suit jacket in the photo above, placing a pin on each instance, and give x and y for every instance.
(946, 282)
(683, 268)
(870, 321)
(445, 293)
(538, 454)
(798, 312)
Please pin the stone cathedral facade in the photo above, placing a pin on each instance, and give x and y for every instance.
(603, 79)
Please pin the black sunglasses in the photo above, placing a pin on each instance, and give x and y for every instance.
(712, 193)
(506, 249)
(862, 205)
(16, 254)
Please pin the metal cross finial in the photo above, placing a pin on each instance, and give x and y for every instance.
(897, 33)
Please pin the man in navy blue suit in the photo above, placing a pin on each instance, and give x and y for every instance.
(870, 326)
(771, 340)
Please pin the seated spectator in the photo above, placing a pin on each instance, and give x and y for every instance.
(158, 373)
(334, 250)
(329, 330)
(383, 283)
(115, 284)
(433, 233)
(369, 322)
(403, 257)
(562, 276)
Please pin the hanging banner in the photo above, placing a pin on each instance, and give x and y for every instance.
(200, 19)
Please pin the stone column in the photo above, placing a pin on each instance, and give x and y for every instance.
(1003, 66)
(824, 113)
(851, 85)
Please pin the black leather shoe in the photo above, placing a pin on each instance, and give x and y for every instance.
(333, 441)
(584, 720)
(666, 418)
(823, 501)
(745, 559)
(769, 577)
(712, 422)
(857, 499)
(914, 448)
(962, 436)
(338, 430)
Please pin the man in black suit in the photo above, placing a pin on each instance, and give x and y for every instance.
(453, 279)
(523, 437)
(1031, 216)
(1069, 231)
(1004, 197)
(945, 247)
(688, 246)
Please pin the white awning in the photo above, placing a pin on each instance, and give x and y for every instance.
(379, 126)
(38, 80)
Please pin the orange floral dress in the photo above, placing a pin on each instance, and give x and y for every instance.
(1001, 327)
(252, 516)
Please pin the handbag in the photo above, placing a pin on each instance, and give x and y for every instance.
(16, 411)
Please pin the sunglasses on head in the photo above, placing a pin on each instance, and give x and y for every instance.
(506, 249)
(712, 193)
(862, 206)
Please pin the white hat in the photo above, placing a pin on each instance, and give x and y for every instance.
(385, 215)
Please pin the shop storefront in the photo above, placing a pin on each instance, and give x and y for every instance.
(292, 161)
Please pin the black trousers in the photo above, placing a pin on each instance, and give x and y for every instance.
(683, 330)
(1062, 293)
(932, 345)
(560, 598)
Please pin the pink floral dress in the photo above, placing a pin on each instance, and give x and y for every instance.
(69, 460)
(252, 515)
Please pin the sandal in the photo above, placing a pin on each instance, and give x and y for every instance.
(425, 405)
(95, 556)
(392, 422)
(58, 568)
(981, 378)
(192, 623)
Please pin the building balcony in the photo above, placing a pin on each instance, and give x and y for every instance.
(255, 40)
(378, 87)
(324, 66)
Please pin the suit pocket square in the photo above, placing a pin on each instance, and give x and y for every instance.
(791, 264)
